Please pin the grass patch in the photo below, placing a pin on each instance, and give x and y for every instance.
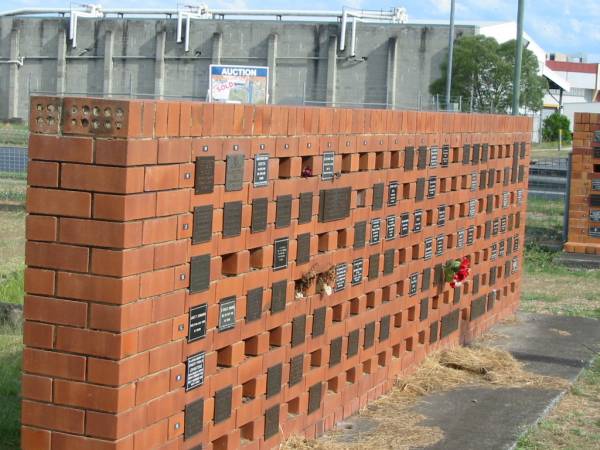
(11, 346)
(12, 241)
(12, 287)
(13, 189)
(13, 134)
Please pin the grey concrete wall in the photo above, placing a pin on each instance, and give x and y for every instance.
(141, 57)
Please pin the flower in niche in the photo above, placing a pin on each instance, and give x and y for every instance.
(457, 271)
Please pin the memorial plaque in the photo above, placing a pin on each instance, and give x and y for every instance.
(393, 193)
(278, 296)
(509, 246)
(596, 184)
(441, 216)
(507, 267)
(439, 245)
(328, 168)
(477, 308)
(232, 219)
(594, 231)
(457, 293)
(596, 152)
(341, 270)
(433, 157)
(466, 154)
(472, 207)
(280, 253)
(318, 325)
(423, 309)
(417, 221)
(369, 339)
(261, 170)
(515, 265)
(375, 231)
(378, 196)
(485, 150)
(449, 323)
(445, 155)
(384, 328)
(491, 178)
(422, 162)
(205, 175)
(357, 270)
(234, 175)
(296, 369)
(511, 219)
(227, 313)
(404, 224)
(488, 229)
(283, 211)
(473, 181)
(335, 351)
(519, 197)
(360, 232)
(259, 215)
(298, 330)
(523, 148)
(223, 399)
(460, 238)
(493, 275)
(194, 371)
(494, 252)
(203, 216)
(199, 273)
(438, 275)
(505, 199)
(315, 393)
(521, 176)
(431, 187)
(482, 180)
(470, 235)
(594, 215)
(409, 158)
(420, 192)
(254, 299)
(475, 289)
(390, 227)
(506, 178)
(428, 249)
(475, 159)
(501, 248)
(305, 207)
(489, 203)
(413, 282)
(388, 261)
(503, 224)
(373, 266)
(495, 227)
(334, 204)
(303, 249)
(193, 418)
(433, 332)
(274, 375)
(197, 322)
(353, 337)
(426, 279)
(271, 422)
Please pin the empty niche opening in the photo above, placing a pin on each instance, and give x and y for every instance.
(480, 205)
(361, 198)
(343, 237)
(354, 306)
(408, 344)
(446, 298)
(415, 252)
(435, 300)
(316, 358)
(443, 184)
(285, 168)
(395, 159)
(411, 314)
(256, 258)
(247, 433)
(401, 256)
(367, 366)
(512, 288)
(347, 162)
(400, 288)
(386, 294)
(381, 357)
(429, 217)
(221, 443)
(249, 390)
(351, 375)
(251, 346)
(379, 160)
(596, 168)
(332, 384)
(225, 357)
(405, 191)
(294, 407)
(338, 313)
(455, 154)
(421, 337)
(396, 351)
(276, 337)
(451, 212)
(363, 161)
(371, 300)
(398, 319)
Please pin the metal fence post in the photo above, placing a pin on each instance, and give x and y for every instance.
(565, 233)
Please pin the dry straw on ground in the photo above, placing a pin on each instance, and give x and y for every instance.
(398, 427)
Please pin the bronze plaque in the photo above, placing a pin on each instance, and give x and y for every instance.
(507, 269)
(283, 212)
(409, 158)
(318, 324)
(352, 343)
(296, 369)
(315, 393)
(335, 351)
(477, 308)
(274, 375)
(489, 203)
(232, 219)
(234, 175)
(373, 266)
(422, 162)
(485, 150)
(298, 330)
(205, 175)
(334, 204)
(360, 233)
(493, 271)
(449, 323)
(475, 159)
(424, 309)
(491, 178)
(521, 175)
(426, 282)
(420, 193)
(433, 332)
(199, 273)
(482, 180)
(254, 299)
(384, 328)
(271, 422)
(388, 261)
(378, 196)
(438, 275)
(457, 292)
(193, 418)
(506, 177)
(369, 335)
(278, 296)
(491, 299)
(466, 154)
(223, 404)
(305, 208)
(203, 216)
(523, 148)
(303, 248)
(475, 289)
(259, 215)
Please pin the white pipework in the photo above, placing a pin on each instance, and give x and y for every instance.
(19, 61)
(189, 12)
(90, 11)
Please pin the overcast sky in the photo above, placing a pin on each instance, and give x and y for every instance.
(567, 26)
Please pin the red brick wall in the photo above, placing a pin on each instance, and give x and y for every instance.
(584, 201)
(120, 247)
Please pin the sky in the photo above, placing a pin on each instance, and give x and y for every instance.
(571, 27)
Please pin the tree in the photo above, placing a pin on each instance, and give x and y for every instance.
(552, 124)
(483, 71)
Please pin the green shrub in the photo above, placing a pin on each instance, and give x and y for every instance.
(552, 124)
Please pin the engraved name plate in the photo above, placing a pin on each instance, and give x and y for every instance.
(417, 221)
(305, 208)
(473, 181)
(378, 196)
(472, 207)
(254, 304)
(594, 215)
(193, 418)
(390, 229)
(278, 296)
(505, 199)
(404, 224)
(318, 322)
(232, 219)
(194, 373)
(280, 253)
(393, 193)
(340, 276)
(596, 184)
(259, 215)
(334, 204)
(271, 422)
(234, 175)
(360, 232)
(227, 313)
(373, 266)
(303, 248)
(283, 211)
(466, 154)
(431, 187)
(445, 155)
(594, 231)
(388, 261)
(357, 270)
(420, 190)
(441, 216)
(375, 231)
(428, 248)
(261, 170)
(413, 282)
(223, 405)
(433, 157)
(202, 231)
(296, 369)
(439, 245)
(197, 322)
(470, 235)
(460, 238)
(328, 167)
(449, 323)
(409, 158)
(205, 175)
(199, 273)
(422, 162)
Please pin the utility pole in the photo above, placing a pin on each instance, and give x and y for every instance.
(450, 51)
(518, 58)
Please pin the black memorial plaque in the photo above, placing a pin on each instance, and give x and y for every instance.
(334, 204)
(496, 227)
(404, 224)
(457, 292)
(413, 282)
(594, 215)
(596, 184)
(318, 324)
(283, 211)
(234, 175)
(424, 309)
(197, 322)
(254, 299)
(274, 376)
(232, 219)
(259, 215)
(360, 232)
(473, 181)
(492, 277)
(199, 273)
(594, 231)
(409, 158)
(357, 270)
(375, 231)
(596, 152)
(485, 150)
(369, 339)
(470, 235)
(507, 267)
(305, 207)
(227, 308)
(491, 178)
(501, 248)
(521, 176)
(478, 307)
(315, 393)
(466, 154)
(417, 221)
(433, 332)
(431, 187)
(341, 270)
(193, 418)
(428, 249)
(516, 244)
(438, 275)
(420, 192)
(205, 175)
(271, 422)
(515, 265)
(445, 155)
(509, 246)
(373, 266)
(388, 261)
(393, 193)
(476, 156)
(426, 279)
(194, 372)
(353, 338)
(489, 203)
(280, 253)
(303, 248)
(439, 245)
(488, 229)
(384, 328)
(460, 238)
(261, 170)
(328, 167)
(505, 199)
(523, 149)
(475, 289)
(378, 196)
(296, 369)
(506, 177)
(433, 157)
(278, 296)
(503, 224)
(449, 323)
(422, 162)
(223, 400)
(335, 351)
(298, 330)
(482, 180)
(472, 207)
(441, 221)
(202, 231)
(390, 227)
(494, 252)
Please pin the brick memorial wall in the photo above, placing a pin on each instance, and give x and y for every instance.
(171, 245)
(584, 201)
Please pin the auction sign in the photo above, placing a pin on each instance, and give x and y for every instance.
(238, 84)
